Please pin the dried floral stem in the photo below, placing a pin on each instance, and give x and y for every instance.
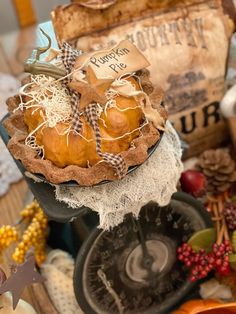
(220, 236)
(216, 217)
(226, 197)
(216, 204)
(226, 233)
(213, 204)
(211, 199)
(223, 234)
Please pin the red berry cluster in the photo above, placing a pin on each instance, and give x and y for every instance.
(221, 253)
(230, 215)
(201, 263)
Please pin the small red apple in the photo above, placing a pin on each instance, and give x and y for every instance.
(193, 182)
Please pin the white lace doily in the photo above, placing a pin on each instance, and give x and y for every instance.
(9, 172)
(155, 180)
(58, 271)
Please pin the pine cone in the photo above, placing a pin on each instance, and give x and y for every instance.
(219, 169)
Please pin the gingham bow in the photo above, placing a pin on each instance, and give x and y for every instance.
(69, 56)
(116, 161)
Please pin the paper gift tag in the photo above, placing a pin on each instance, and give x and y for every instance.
(112, 63)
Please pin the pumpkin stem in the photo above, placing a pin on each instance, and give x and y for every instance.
(34, 66)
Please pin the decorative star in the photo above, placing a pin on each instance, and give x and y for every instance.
(25, 274)
(91, 91)
(2, 276)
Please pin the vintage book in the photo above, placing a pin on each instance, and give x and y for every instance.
(187, 44)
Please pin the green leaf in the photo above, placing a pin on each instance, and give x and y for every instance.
(232, 260)
(233, 241)
(233, 198)
(203, 239)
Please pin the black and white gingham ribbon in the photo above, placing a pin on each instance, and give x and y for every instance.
(116, 161)
(69, 56)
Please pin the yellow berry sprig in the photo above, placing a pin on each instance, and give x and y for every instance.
(30, 210)
(8, 235)
(34, 236)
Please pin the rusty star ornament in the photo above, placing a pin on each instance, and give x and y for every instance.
(24, 275)
(91, 91)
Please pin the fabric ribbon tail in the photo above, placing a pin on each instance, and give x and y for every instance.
(151, 114)
(116, 161)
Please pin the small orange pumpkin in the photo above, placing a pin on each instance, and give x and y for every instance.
(206, 307)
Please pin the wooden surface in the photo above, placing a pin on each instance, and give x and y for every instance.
(14, 48)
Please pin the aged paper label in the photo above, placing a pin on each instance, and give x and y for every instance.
(113, 63)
